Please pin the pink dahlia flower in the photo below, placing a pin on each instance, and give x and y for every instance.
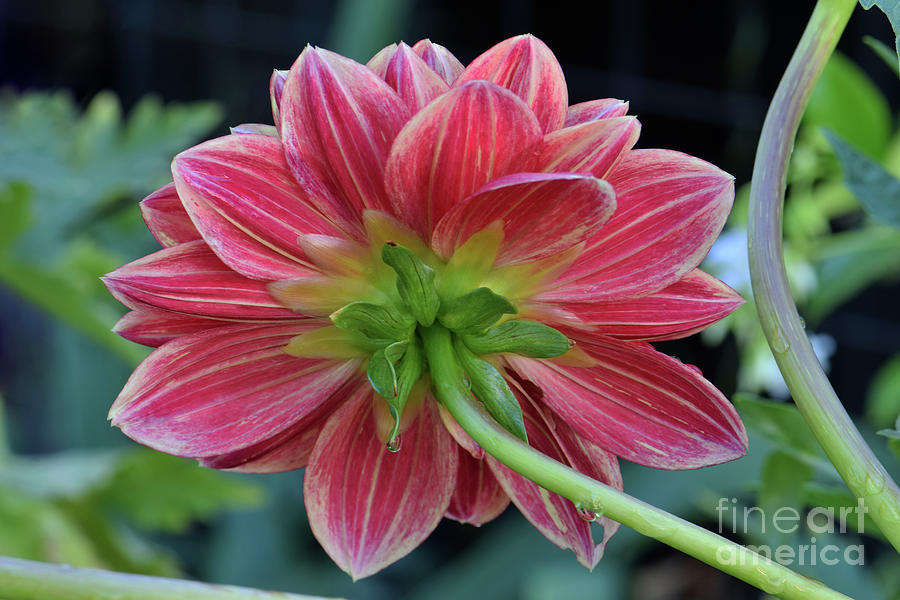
(300, 262)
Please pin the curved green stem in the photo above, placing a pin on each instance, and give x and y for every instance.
(812, 392)
(725, 555)
(30, 580)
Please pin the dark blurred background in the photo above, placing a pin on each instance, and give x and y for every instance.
(698, 75)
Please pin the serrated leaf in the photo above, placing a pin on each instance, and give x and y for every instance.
(489, 386)
(891, 8)
(877, 190)
(415, 282)
(475, 311)
(158, 492)
(525, 338)
(847, 102)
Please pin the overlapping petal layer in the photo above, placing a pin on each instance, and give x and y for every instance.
(226, 389)
(670, 208)
(166, 218)
(468, 137)
(369, 507)
(554, 516)
(478, 497)
(640, 404)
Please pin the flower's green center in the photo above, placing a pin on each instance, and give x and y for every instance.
(409, 290)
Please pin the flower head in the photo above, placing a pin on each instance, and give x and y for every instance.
(301, 261)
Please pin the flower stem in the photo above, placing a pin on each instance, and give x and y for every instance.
(725, 555)
(30, 580)
(812, 392)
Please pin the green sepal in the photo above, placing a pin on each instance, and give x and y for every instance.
(377, 323)
(382, 375)
(415, 282)
(410, 369)
(475, 311)
(526, 338)
(490, 387)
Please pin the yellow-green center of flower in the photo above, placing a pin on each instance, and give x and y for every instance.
(378, 298)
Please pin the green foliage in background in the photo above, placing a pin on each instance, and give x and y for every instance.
(69, 183)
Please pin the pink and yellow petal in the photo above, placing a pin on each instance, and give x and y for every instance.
(478, 497)
(242, 196)
(555, 517)
(189, 278)
(439, 59)
(670, 209)
(640, 404)
(594, 147)
(593, 110)
(415, 82)
(542, 214)
(226, 389)
(369, 507)
(166, 218)
(688, 306)
(154, 327)
(466, 138)
(338, 122)
(526, 66)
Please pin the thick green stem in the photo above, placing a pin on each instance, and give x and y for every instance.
(30, 580)
(812, 392)
(727, 556)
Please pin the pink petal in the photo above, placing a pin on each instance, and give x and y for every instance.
(189, 278)
(440, 59)
(594, 147)
(369, 507)
(671, 207)
(242, 196)
(641, 405)
(595, 109)
(153, 327)
(166, 218)
(527, 67)
(461, 141)
(542, 214)
(227, 389)
(478, 497)
(554, 516)
(254, 129)
(276, 90)
(379, 62)
(459, 434)
(415, 82)
(679, 310)
(290, 449)
(339, 120)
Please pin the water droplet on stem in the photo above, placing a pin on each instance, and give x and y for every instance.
(393, 445)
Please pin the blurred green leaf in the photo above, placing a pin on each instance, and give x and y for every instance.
(781, 483)
(883, 398)
(877, 190)
(837, 497)
(846, 101)
(783, 426)
(63, 475)
(69, 186)
(164, 493)
(891, 8)
(848, 262)
(39, 530)
(14, 213)
(883, 52)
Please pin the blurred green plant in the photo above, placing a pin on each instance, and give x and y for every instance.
(69, 186)
(841, 220)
